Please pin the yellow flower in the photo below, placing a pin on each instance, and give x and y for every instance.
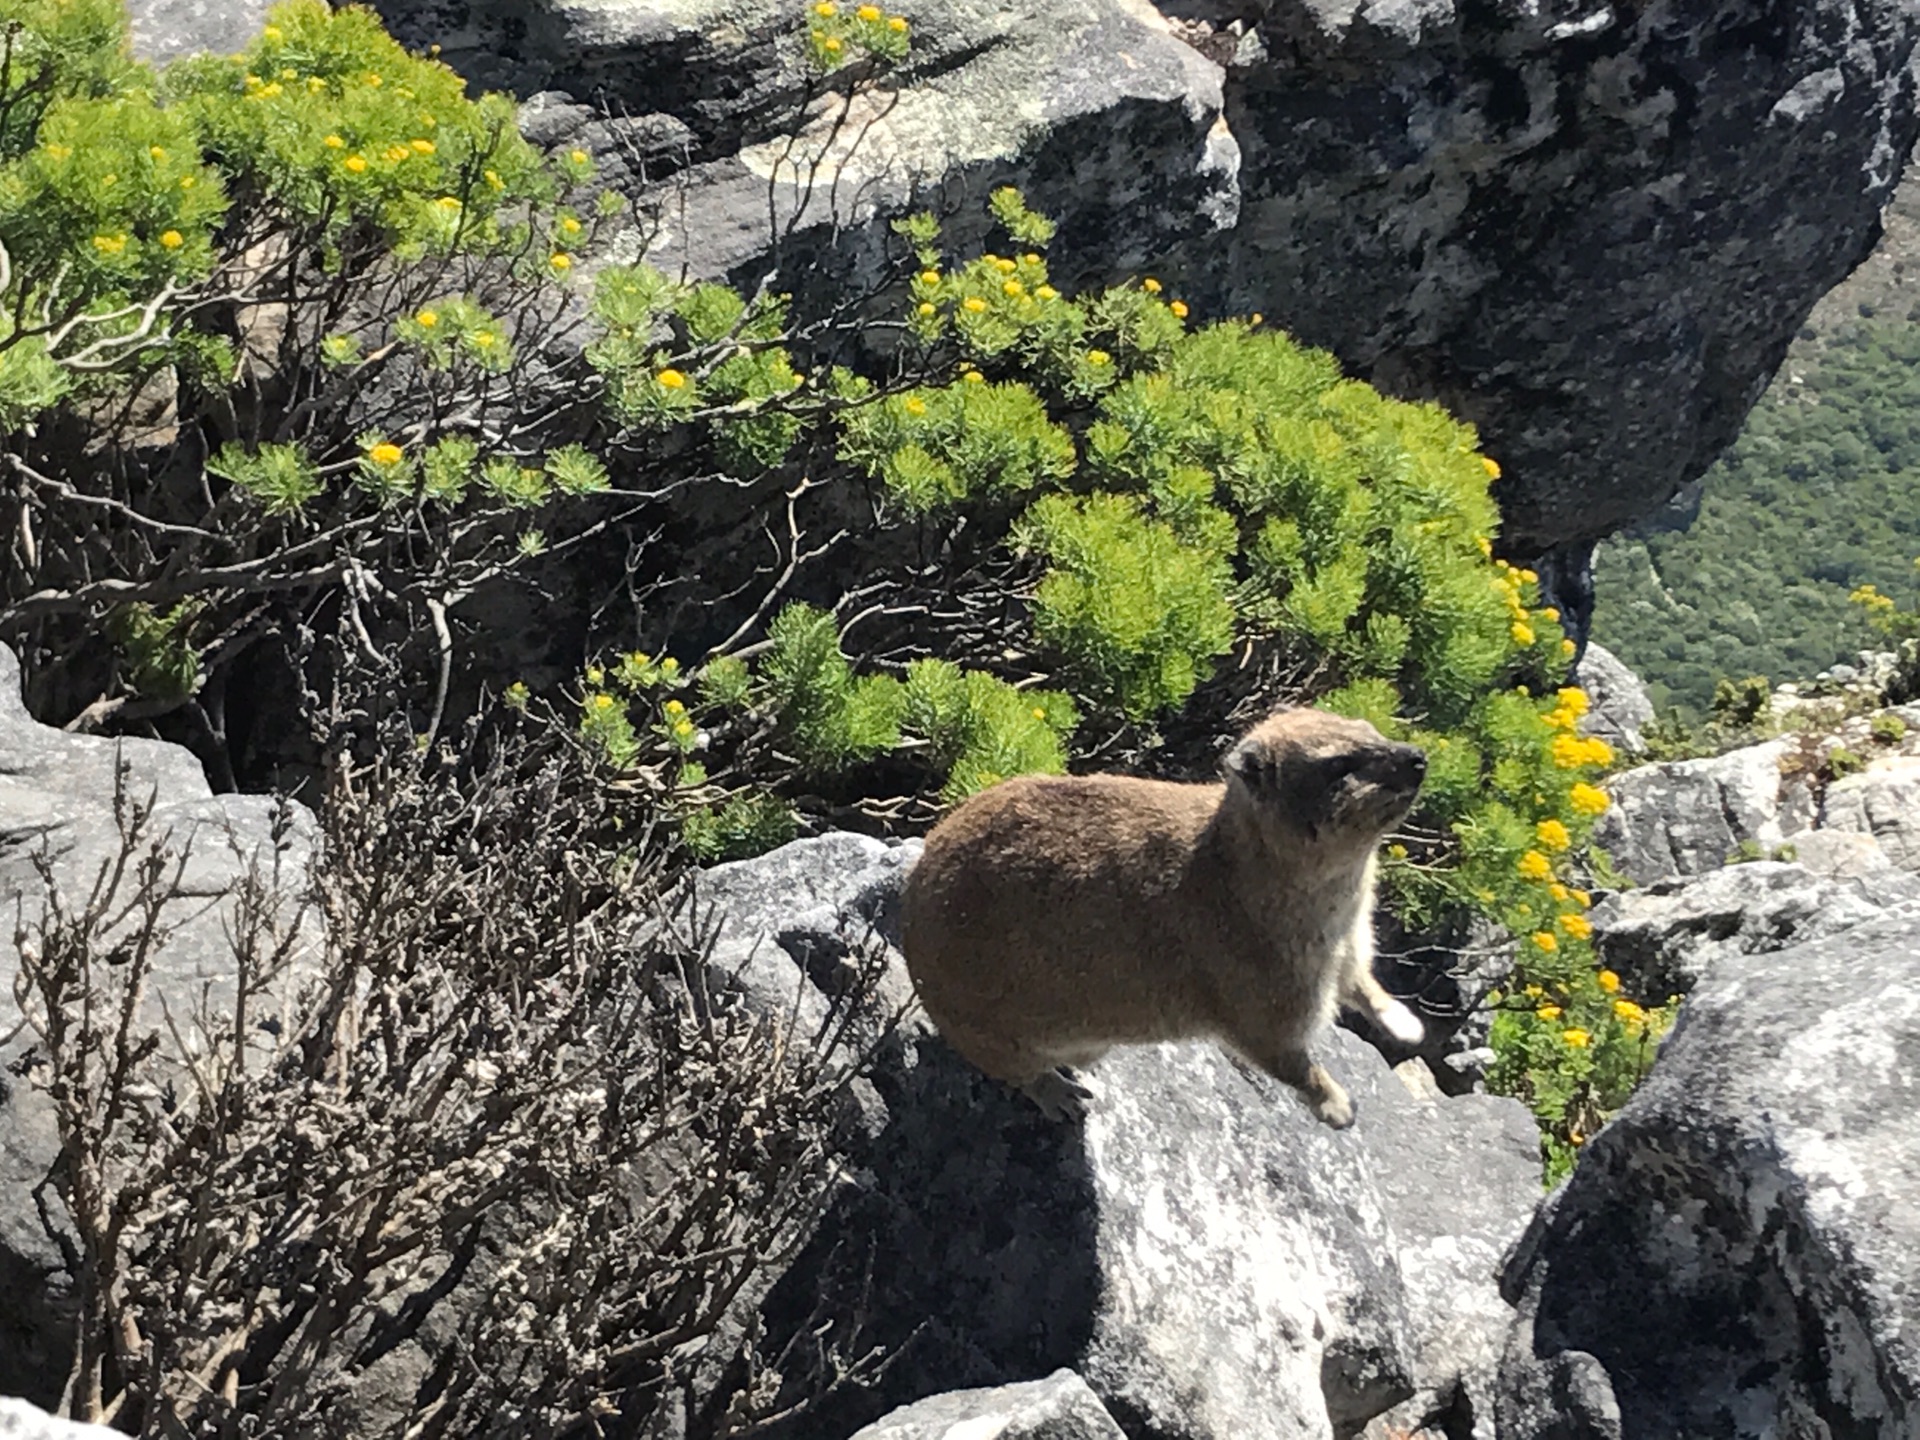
(315, 84)
(386, 453)
(1543, 939)
(1256, 318)
(1553, 835)
(1576, 1037)
(1629, 1012)
(1483, 545)
(447, 203)
(334, 142)
(273, 32)
(1567, 648)
(925, 307)
(374, 80)
(560, 261)
(674, 707)
(1582, 898)
(1522, 634)
(1150, 285)
(1005, 267)
(929, 277)
(670, 380)
(289, 73)
(156, 152)
(578, 157)
(974, 303)
(1578, 926)
(1179, 308)
(897, 24)
(427, 318)
(1570, 752)
(1609, 981)
(1535, 866)
(1574, 698)
(1013, 287)
(1548, 1012)
(915, 405)
(186, 182)
(1099, 357)
(483, 338)
(1492, 465)
(397, 153)
(831, 45)
(826, 9)
(869, 13)
(569, 225)
(668, 665)
(1558, 891)
(1397, 851)
(422, 146)
(1561, 719)
(974, 377)
(1588, 799)
(1530, 577)
(172, 239)
(494, 180)
(1047, 292)
(60, 152)
(110, 244)
(683, 729)
(1038, 713)
(1534, 992)
(596, 676)
(603, 702)
(1550, 614)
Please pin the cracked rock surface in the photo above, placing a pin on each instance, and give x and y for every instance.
(1738, 1253)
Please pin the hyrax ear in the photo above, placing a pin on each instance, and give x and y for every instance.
(1254, 764)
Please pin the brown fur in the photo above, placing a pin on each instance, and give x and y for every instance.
(1053, 917)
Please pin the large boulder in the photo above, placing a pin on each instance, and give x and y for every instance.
(20, 1420)
(1591, 229)
(1060, 1407)
(62, 802)
(1212, 1260)
(1738, 1252)
(1685, 817)
(1619, 705)
(1663, 938)
(1882, 801)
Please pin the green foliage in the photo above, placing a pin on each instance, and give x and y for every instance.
(1888, 729)
(281, 477)
(161, 660)
(838, 34)
(1571, 1045)
(1829, 454)
(1139, 614)
(981, 730)
(739, 827)
(830, 717)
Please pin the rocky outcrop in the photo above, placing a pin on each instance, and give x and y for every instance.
(1208, 1257)
(1662, 939)
(1686, 817)
(58, 810)
(1060, 1407)
(1619, 706)
(22, 1421)
(1738, 1253)
(1883, 802)
(1516, 209)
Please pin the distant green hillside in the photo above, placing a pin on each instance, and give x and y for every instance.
(1820, 493)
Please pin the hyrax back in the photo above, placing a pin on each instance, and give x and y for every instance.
(1050, 917)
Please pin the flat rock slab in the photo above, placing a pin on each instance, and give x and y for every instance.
(1738, 1253)
(1060, 1407)
(1685, 817)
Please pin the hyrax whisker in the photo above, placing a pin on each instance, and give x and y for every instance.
(1050, 917)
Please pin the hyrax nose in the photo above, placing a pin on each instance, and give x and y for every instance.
(1413, 764)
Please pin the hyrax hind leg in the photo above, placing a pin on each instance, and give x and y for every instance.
(1290, 1064)
(1041, 1075)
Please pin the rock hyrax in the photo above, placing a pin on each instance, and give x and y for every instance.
(1051, 917)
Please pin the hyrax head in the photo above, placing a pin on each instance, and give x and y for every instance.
(1323, 779)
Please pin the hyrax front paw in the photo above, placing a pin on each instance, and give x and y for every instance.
(1059, 1094)
(1334, 1107)
(1401, 1023)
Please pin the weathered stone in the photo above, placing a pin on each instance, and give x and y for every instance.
(1882, 801)
(1685, 817)
(20, 1420)
(1840, 854)
(1212, 1260)
(1591, 230)
(1662, 939)
(1739, 1250)
(1619, 705)
(57, 808)
(167, 29)
(1060, 1407)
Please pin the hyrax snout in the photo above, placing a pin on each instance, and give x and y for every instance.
(1052, 917)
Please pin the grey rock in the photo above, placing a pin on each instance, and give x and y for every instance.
(20, 1420)
(1619, 704)
(168, 29)
(1662, 939)
(1060, 1407)
(1591, 230)
(1882, 801)
(1840, 854)
(1685, 817)
(1212, 1260)
(1739, 1250)
(58, 809)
